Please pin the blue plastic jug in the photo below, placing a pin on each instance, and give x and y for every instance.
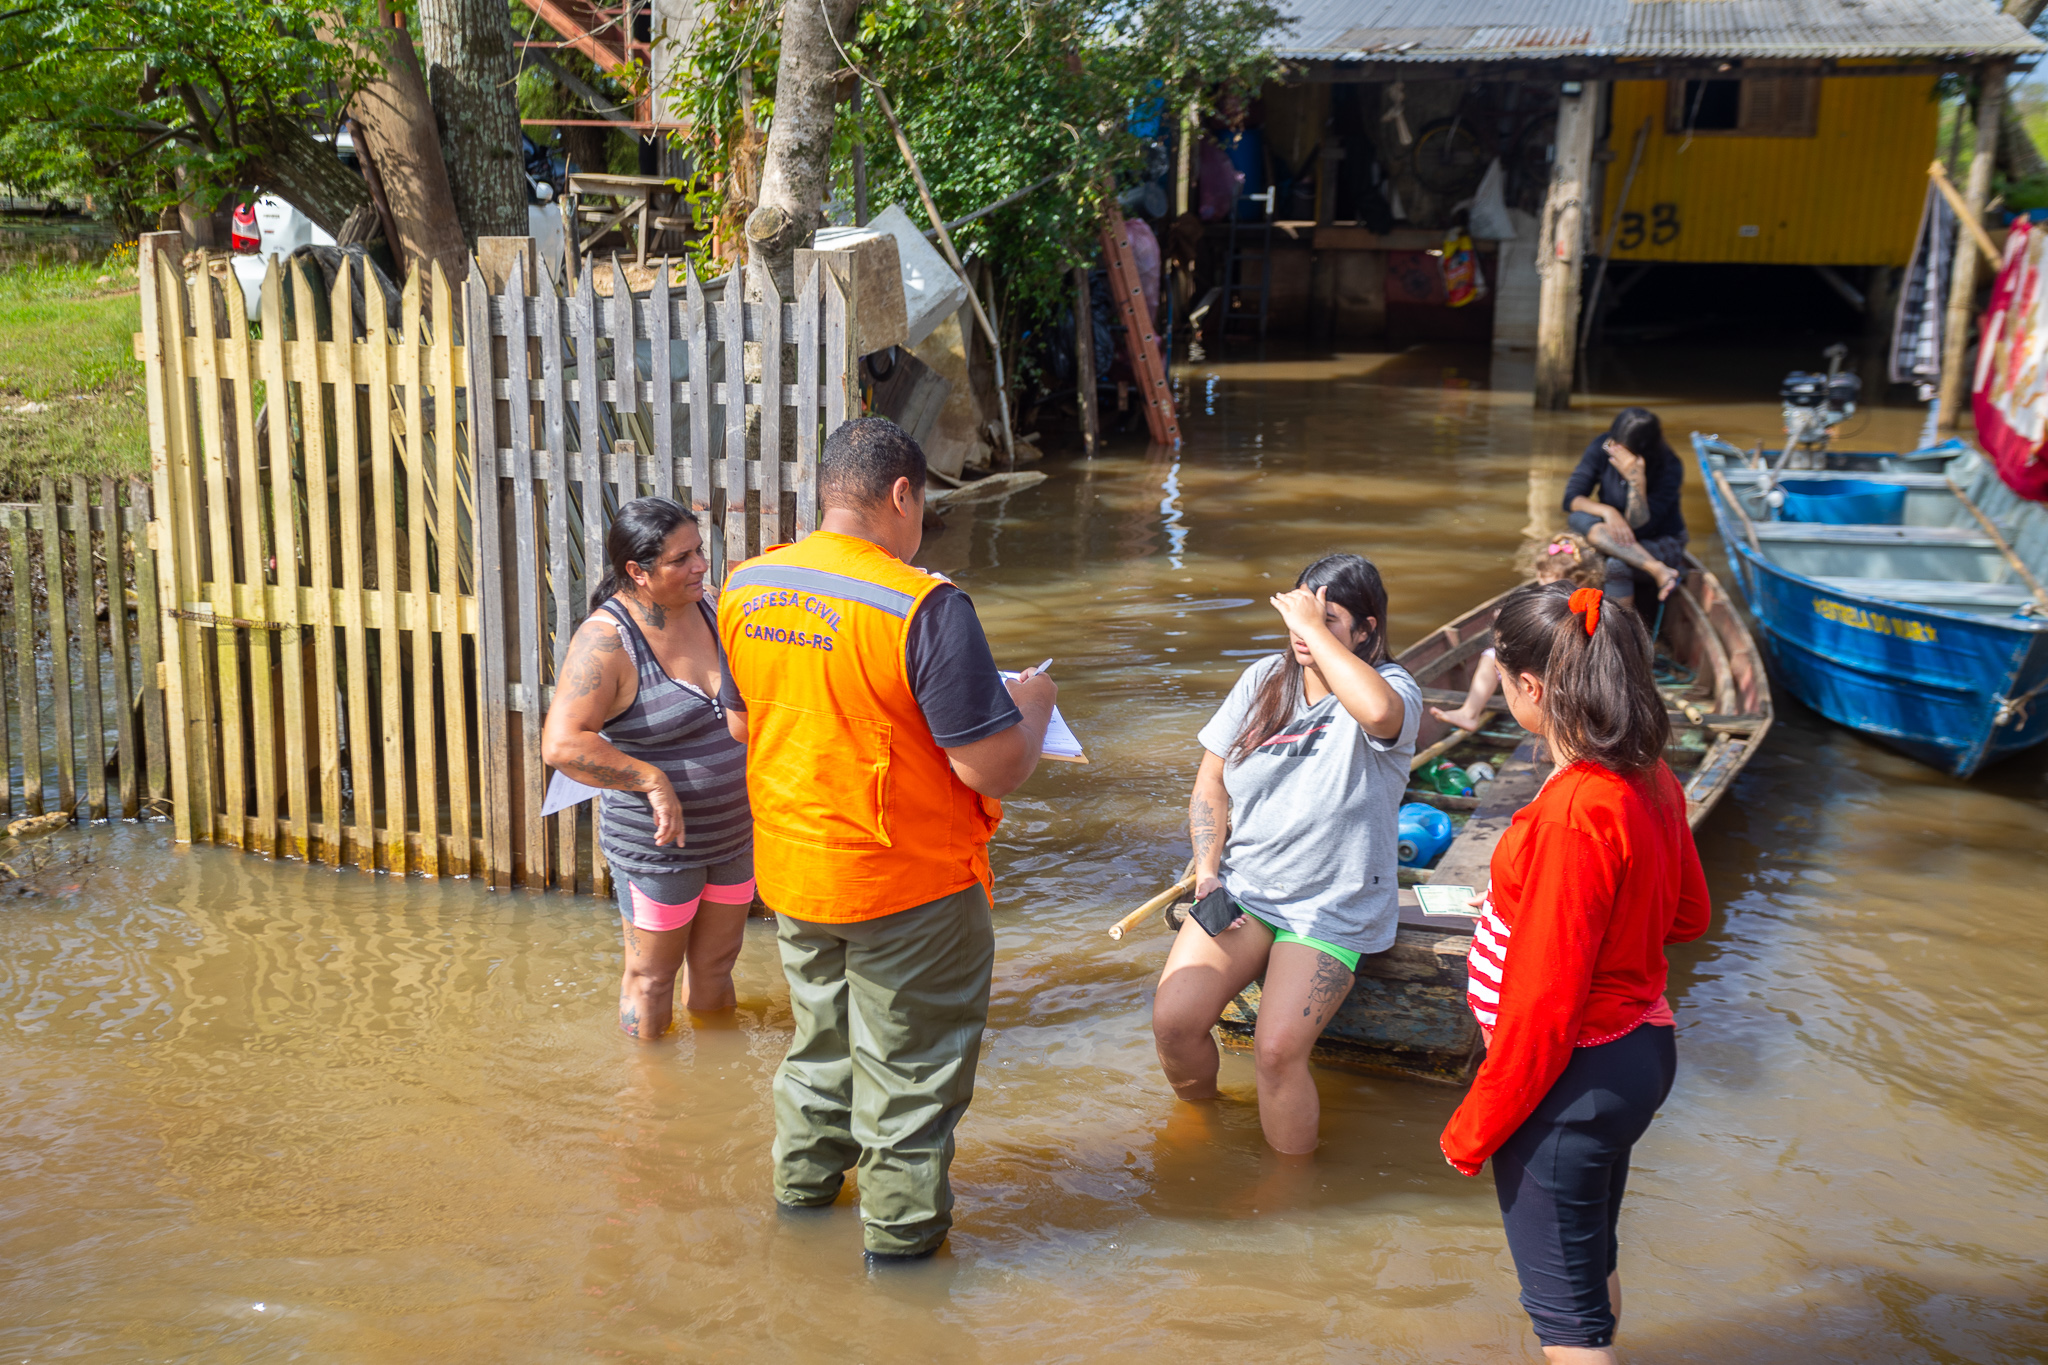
(1424, 833)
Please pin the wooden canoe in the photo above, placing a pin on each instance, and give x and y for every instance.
(1406, 1014)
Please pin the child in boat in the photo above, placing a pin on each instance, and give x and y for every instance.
(1565, 558)
(1589, 883)
(1293, 819)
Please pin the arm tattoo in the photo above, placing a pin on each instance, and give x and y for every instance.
(583, 671)
(1327, 989)
(1201, 825)
(600, 774)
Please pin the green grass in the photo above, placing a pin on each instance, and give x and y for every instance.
(70, 386)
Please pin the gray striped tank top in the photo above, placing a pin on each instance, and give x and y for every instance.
(681, 731)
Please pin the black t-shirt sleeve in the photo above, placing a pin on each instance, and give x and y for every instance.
(1585, 480)
(952, 673)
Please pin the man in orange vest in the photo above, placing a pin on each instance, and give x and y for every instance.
(880, 736)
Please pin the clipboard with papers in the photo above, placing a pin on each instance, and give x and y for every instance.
(1061, 743)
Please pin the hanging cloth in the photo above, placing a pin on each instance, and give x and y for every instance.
(1923, 295)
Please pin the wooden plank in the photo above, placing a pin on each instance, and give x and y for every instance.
(231, 796)
(526, 577)
(58, 612)
(246, 513)
(156, 762)
(494, 760)
(419, 676)
(735, 509)
(93, 753)
(625, 359)
(841, 405)
(348, 466)
(17, 609)
(390, 707)
(448, 492)
(806, 416)
(590, 442)
(770, 455)
(296, 837)
(697, 326)
(128, 790)
(28, 691)
(663, 410)
(188, 701)
(318, 457)
(554, 430)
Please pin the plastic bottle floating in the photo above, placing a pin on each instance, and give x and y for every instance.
(1424, 833)
(1447, 778)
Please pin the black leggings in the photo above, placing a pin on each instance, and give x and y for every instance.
(1560, 1180)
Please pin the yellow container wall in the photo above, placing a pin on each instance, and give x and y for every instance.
(1850, 195)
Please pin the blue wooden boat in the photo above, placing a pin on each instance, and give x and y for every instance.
(1919, 629)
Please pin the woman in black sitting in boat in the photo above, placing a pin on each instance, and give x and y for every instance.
(1624, 497)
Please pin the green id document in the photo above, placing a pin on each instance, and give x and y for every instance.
(1446, 900)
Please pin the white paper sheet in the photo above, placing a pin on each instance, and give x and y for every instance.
(563, 792)
(1060, 740)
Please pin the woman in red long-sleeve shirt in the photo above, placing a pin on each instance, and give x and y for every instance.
(1590, 882)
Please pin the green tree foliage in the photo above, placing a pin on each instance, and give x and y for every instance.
(123, 97)
(993, 96)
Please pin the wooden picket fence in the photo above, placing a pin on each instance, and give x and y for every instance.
(81, 719)
(361, 628)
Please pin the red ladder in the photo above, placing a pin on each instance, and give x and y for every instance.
(1146, 360)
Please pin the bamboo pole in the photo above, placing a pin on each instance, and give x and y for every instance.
(1938, 173)
(1962, 288)
(2004, 547)
(1084, 361)
(1158, 902)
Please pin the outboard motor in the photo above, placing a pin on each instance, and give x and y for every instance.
(1814, 405)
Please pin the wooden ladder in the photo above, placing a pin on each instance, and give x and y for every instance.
(1146, 360)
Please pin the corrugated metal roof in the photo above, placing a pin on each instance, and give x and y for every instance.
(1506, 30)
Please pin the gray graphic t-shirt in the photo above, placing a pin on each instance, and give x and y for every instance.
(1313, 814)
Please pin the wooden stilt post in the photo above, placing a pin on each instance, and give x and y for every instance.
(1084, 360)
(1560, 246)
(1955, 337)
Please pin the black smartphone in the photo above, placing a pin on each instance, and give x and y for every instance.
(1215, 912)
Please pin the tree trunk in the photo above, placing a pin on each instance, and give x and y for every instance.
(397, 128)
(303, 171)
(470, 75)
(798, 169)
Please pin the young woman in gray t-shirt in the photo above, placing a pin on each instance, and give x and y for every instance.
(1293, 816)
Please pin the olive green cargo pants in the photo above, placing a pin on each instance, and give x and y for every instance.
(889, 1015)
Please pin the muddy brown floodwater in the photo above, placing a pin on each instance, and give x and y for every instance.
(257, 1111)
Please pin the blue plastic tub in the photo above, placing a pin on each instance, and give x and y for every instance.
(1843, 502)
(1424, 833)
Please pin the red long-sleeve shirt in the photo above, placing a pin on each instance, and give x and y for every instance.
(1591, 880)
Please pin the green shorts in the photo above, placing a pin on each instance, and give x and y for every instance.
(1343, 955)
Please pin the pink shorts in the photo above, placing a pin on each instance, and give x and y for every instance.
(666, 901)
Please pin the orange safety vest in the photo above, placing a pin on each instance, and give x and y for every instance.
(857, 813)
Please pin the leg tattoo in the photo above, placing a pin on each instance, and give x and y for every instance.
(1327, 989)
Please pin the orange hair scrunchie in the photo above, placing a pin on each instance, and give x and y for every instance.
(1586, 600)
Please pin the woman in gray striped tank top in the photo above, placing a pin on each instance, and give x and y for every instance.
(636, 715)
